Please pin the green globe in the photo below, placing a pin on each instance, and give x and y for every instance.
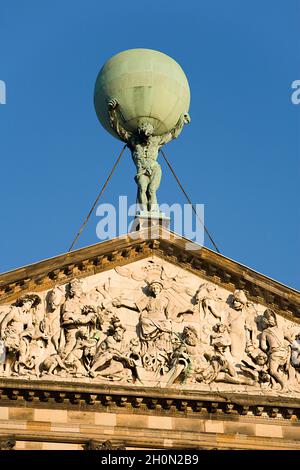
(149, 87)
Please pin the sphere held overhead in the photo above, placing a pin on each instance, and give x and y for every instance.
(149, 87)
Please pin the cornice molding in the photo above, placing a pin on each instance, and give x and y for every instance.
(145, 400)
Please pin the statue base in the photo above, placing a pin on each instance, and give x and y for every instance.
(146, 219)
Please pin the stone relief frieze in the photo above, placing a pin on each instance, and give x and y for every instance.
(150, 323)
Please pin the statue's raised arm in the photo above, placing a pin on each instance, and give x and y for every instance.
(115, 121)
(174, 133)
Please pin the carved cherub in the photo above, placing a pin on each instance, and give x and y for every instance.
(257, 368)
(220, 339)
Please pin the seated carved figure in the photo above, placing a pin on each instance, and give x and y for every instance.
(197, 364)
(112, 359)
(154, 327)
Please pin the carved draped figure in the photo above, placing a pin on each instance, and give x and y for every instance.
(155, 330)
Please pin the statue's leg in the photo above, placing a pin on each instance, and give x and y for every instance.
(51, 368)
(142, 182)
(115, 368)
(273, 364)
(9, 362)
(55, 339)
(153, 187)
(70, 341)
(79, 369)
(227, 378)
(105, 358)
(23, 350)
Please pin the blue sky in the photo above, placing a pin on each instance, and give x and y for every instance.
(239, 156)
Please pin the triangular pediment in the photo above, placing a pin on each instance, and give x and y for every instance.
(146, 312)
(167, 245)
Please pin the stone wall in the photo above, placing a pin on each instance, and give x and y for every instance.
(47, 428)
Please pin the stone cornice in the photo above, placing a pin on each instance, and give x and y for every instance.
(168, 401)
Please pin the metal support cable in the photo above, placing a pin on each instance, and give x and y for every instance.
(97, 200)
(189, 201)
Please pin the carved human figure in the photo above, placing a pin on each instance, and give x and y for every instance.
(76, 316)
(75, 359)
(273, 342)
(188, 359)
(112, 359)
(295, 357)
(200, 364)
(17, 329)
(221, 341)
(55, 300)
(155, 326)
(209, 303)
(256, 367)
(240, 320)
(101, 296)
(144, 147)
(29, 363)
(208, 308)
